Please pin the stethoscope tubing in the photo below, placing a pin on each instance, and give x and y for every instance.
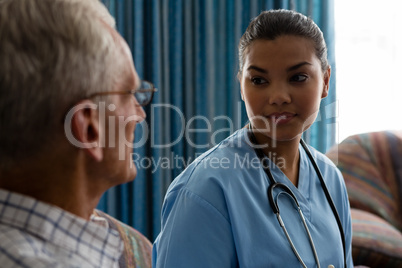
(282, 224)
(275, 208)
(329, 198)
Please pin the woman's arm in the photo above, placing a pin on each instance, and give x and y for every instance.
(194, 234)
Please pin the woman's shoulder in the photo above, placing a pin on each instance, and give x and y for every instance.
(218, 166)
(221, 156)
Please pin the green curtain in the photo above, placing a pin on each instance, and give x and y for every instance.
(188, 49)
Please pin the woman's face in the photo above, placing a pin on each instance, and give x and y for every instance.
(282, 84)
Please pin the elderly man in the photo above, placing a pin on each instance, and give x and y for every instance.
(70, 100)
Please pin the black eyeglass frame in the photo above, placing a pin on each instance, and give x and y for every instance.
(152, 90)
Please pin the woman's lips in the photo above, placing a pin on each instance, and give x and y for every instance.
(281, 118)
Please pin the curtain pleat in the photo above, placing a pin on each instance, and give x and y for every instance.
(188, 49)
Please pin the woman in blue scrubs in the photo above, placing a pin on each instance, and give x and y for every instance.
(217, 212)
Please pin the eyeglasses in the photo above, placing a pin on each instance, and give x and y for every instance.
(143, 94)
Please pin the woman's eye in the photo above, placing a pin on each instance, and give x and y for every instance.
(258, 81)
(298, 78)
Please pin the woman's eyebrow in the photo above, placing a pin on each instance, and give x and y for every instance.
(291, 68)
(258, 69)
(297, 66)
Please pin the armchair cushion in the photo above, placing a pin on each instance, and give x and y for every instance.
(137, 248)
(371, 164)
(375, 241)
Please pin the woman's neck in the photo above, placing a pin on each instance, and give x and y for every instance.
(284, 154)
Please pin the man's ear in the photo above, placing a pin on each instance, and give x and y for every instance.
(86, 128)
(327, 76)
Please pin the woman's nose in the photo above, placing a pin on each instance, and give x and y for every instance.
(279, 94)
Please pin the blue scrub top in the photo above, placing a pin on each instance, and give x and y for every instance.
(217, 214)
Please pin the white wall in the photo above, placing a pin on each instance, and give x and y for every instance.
(369, 65)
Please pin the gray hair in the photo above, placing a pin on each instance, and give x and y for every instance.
(53, 53)
(274, 23)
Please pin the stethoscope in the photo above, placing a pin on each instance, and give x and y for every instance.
(286, 190)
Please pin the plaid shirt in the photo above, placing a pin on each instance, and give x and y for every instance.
(35, 234)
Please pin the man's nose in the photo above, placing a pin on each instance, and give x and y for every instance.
(140, 113)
